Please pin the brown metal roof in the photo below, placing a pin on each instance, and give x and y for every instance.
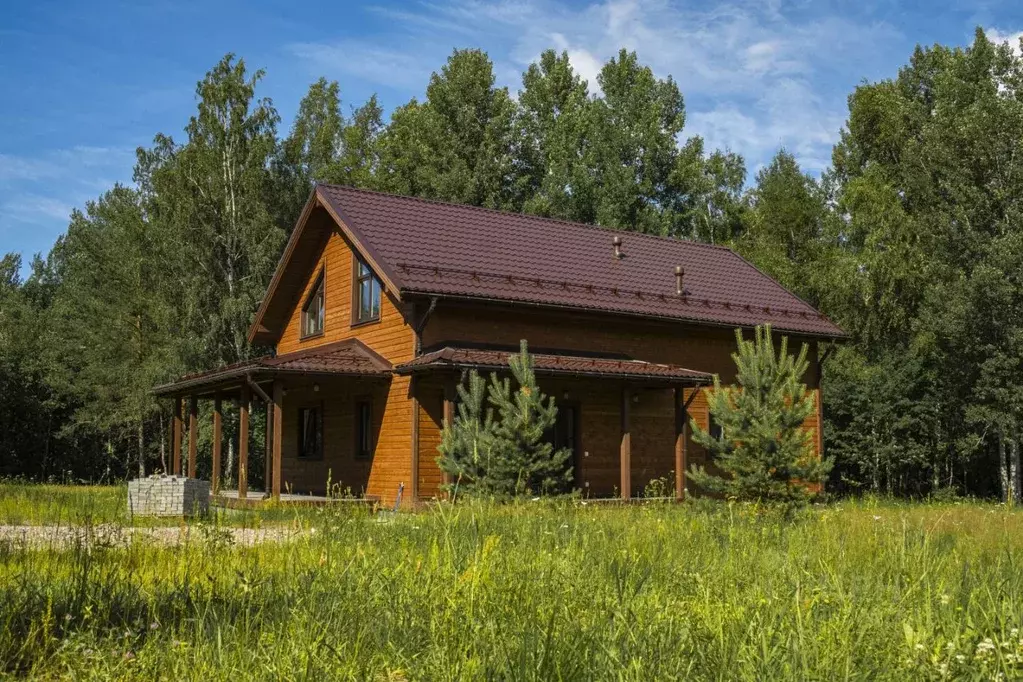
(350, 357)
(435, 248)
(550, 363)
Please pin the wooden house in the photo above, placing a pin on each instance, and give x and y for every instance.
(380, 303)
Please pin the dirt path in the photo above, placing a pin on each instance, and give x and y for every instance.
(118, 536)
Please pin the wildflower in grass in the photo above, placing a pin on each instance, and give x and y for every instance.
(945, 599)
(985, 648)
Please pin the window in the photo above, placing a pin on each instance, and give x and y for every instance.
(310, 433)
(366, 306)
(312, 311)
(363, 429)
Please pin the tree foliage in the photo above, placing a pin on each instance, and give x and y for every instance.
(497, 444)
(910, 241)
(761, 448)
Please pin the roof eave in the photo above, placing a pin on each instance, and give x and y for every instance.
(837, 338)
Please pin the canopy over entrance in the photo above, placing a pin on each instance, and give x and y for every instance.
(350, 357)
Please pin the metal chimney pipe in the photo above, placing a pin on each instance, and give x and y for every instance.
(679, 272)
(617, 243)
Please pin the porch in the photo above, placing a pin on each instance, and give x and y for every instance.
(624, 420)
(296, 391)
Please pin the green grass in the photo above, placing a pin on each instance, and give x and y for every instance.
(33, 504)
(537, 592)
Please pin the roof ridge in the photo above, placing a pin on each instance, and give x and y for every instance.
(530, 216)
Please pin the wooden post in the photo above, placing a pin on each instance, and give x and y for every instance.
(625, 455)
(678, 398)
(193, 433)
(243, 444)
(176, 438)
(218, 437)
(414, 483)
(278, 436)
(449, 413)
(268, 450)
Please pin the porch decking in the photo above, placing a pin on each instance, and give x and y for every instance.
(257, 499)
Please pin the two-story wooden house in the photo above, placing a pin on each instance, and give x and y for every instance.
(381, 302)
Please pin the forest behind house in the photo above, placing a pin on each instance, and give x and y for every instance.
(912, 241)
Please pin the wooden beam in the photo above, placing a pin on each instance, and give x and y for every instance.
(243, 444)
(625, 453)
(278, 436)
(678, 397)
(268, 450)
(414, 486)
(218, 437)
(449, 412)
(193, 433)
(176, 437)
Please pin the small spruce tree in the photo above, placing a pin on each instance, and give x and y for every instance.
(466, 446)
(501, 450)
(762, 449)
(524, 461)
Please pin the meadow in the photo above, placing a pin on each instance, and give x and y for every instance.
(530, 591)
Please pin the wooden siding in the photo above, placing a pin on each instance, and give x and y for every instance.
(599, 401)
(652, 418)
(707, 349)
(391, 336)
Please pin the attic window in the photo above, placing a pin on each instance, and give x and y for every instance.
(366, 306)
(313, 311)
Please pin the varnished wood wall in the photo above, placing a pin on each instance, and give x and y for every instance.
(700, 348)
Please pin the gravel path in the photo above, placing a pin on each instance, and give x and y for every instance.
(118, 536)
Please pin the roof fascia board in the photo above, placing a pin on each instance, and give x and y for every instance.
(365, 251)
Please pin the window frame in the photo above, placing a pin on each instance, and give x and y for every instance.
(319, 284)
(363, 430)
(357, 280)
(300, 449)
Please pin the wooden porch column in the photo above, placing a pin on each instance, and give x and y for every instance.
(268, 453)
(193, 433)
(449, 413)
(625, 455)
(243, 444)
(218, 437)
(414, 484)
(278, 436)
(176, 438)
(678, 399)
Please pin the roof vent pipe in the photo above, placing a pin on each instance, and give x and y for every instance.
(617, 243)
(679, 272)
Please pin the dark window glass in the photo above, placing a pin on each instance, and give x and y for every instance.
(367, 294)
(363, 430)
(312, 311)
(714, 429)
(310, 433)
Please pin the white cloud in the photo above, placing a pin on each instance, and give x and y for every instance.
(756, 75)
(396, 68)
(1013, 38)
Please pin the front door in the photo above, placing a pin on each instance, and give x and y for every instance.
(565, 434)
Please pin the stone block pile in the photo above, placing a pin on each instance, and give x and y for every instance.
(164, 495)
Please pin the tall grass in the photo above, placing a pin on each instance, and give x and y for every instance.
(536, 592)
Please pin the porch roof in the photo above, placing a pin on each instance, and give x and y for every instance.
(607, 367)
(350, 357)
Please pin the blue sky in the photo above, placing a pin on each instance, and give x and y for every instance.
(86, 83)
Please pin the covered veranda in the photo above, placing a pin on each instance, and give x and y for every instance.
(605, 386)
(267, 379)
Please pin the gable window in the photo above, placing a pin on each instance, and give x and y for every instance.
(310, 433)
(313, 310)
(366, 306)
(363, 429)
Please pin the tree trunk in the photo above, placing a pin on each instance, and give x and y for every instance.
(142, 449)
(229, 464)
(1014, 483)
(1003, 468)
